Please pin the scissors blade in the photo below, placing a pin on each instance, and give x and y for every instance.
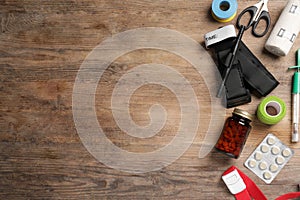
(261, 3)
(265, 6)
(261, 6)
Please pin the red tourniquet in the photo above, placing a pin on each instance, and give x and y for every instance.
(252, 191)
(288, 196)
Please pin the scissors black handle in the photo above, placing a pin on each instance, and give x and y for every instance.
(264, 15)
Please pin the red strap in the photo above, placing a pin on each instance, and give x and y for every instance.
(251, 188)
(244, 195)
(252, 191)
(288, 196)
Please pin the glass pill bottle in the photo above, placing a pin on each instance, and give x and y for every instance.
(235, 132)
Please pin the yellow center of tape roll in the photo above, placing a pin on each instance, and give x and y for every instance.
(271, 110)
(223, 20)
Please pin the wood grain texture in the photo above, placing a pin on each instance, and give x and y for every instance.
(43, 44)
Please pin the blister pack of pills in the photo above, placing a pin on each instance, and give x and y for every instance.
(269, 158)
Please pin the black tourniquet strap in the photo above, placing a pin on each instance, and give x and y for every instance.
(247, 73)
(236, 92)
(255, 73)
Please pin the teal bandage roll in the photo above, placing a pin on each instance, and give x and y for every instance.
(271, 110)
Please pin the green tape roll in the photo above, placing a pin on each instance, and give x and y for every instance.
(271, 110)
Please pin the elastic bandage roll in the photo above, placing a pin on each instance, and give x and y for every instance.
(286, 30)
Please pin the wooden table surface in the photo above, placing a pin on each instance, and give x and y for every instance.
(43, 44)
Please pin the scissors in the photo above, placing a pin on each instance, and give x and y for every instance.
(257, 13)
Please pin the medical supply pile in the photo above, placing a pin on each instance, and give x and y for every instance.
(243, 75)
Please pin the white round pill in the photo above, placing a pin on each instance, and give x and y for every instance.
(264, 148)
(258, 156)
(267, 175)
(273, 168)
(252, 163)
(263, 165)
(286, 152)
(279, 160)
(271, 140)
(275, 150)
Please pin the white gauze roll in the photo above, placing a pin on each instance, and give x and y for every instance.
(286, 30)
